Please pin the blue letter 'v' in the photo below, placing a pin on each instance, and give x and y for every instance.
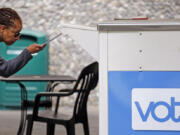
(146, 115)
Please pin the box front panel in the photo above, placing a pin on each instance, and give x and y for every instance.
(143, 83)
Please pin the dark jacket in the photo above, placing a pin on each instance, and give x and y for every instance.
(10, 67)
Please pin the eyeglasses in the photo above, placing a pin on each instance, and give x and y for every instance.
(17, 34)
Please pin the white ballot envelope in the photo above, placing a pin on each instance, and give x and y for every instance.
(51, 39)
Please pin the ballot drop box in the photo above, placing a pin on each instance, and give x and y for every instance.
(139, 83)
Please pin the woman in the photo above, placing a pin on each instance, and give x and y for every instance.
(10, 27)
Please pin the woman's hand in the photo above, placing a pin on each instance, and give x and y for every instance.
(35, 48)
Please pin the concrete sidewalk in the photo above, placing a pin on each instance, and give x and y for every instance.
(9, 122)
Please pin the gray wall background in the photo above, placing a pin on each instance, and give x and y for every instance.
(67, 57)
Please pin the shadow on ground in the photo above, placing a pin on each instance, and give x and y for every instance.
(9, 122)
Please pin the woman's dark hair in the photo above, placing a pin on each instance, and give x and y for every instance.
(7, 16)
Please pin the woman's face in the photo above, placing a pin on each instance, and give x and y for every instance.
(12, 33)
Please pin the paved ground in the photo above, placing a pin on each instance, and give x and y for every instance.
(9, 121)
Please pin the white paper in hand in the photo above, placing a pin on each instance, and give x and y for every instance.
(51, 39)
